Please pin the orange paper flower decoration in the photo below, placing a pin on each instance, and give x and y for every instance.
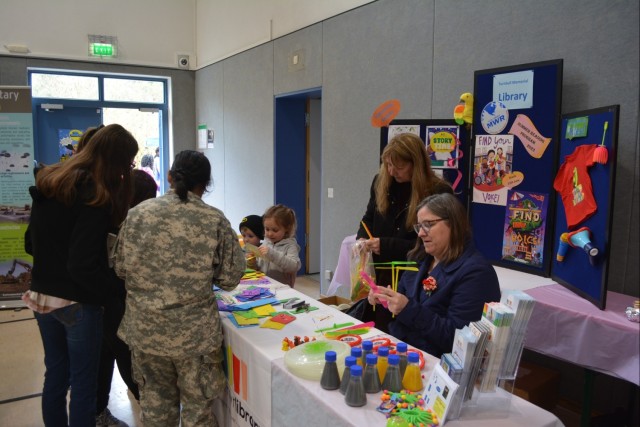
(429, 284)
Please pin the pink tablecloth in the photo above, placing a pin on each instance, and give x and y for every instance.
(568, 327)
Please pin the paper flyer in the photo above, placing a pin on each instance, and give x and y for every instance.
(524, 226)
(398, 129)
(67, 141)
(531, 138)
(439, 392)
(492, 166)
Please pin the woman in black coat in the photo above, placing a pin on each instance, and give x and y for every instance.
(405, 178)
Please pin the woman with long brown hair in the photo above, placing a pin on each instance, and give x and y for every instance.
(404, 179)
(76, 204)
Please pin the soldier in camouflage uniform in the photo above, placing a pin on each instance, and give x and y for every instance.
(170, 251)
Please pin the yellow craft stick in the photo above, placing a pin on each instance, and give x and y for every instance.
(366, 229)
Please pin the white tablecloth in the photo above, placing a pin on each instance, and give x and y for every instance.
(298, 401)
(252, 349)
(267, 394)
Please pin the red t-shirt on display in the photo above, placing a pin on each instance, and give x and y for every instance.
(574, 185)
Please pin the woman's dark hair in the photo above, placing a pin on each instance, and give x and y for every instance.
(104, 165)
(147, 161)
(144, 187)
(448, 207)
(190, 169)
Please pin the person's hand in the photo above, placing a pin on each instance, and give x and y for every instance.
(396, 302)
(251, 261)
(264, 250)
(372, 298)
(373, 245)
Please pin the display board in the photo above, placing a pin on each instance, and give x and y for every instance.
(447, 144)
(585, 183)
(514, 152)
(16, 176)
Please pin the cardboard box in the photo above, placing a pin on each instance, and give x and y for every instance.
(538, 385)
(336, 301)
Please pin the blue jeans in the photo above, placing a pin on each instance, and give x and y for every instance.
(71, 337)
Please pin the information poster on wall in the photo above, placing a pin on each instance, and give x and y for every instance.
(524, 228)
(516, 123)
(16, 176)
(68, 140)
(443, 146)
(492, 169)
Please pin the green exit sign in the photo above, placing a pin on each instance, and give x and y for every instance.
(102, 49)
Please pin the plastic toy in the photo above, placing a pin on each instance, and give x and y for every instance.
(307, 360)
(372, 285)
(288, 344)
(463, 111)
(581, 239)
(563, 246)
(601, 155)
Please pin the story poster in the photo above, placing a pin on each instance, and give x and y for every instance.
(442, 146)
(16, 176)
(524, 226)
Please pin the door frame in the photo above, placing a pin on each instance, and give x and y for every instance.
(291, 168)
(100, 103)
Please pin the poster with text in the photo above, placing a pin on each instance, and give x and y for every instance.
(16, 176)
(67, 142)
(398, 129)
(492, 169)
(442, 146)
(524, 225)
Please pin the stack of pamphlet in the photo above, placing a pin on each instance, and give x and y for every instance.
(481, 331)
(498, 318)
(458, 365)
(522, 304)
(451, 367)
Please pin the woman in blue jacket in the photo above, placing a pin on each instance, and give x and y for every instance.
(453, 282)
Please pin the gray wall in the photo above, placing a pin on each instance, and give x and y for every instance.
(424, 53)
(13, 72)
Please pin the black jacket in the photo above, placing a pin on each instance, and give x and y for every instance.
(68, 244)
(395, 239)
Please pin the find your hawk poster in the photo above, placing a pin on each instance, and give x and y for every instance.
(524, 226)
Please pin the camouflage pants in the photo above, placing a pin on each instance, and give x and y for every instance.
(167, 384)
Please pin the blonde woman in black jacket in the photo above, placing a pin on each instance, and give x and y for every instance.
(405, 178)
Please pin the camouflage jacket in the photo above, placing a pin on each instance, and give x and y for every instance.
(170, 254)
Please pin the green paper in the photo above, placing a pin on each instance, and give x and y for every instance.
(247, 314)
(577, 128)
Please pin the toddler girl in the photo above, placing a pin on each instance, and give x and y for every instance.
(280, 258)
